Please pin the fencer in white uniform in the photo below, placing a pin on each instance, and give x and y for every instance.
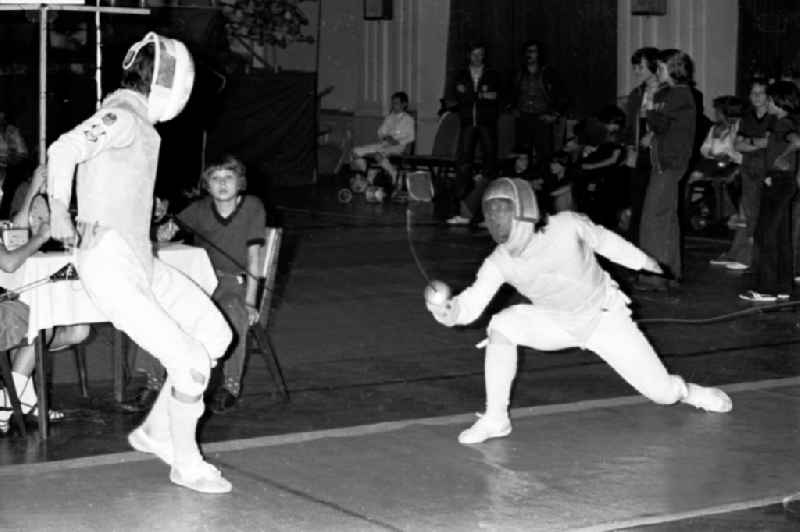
(574, 303)
(162, 310)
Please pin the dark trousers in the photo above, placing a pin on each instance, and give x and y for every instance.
(659, 232)
(773, 236)
(640, 177)
(535, 136)
(470, 138)
(742, 248)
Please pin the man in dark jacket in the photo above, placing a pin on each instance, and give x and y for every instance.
(539, 100)
(475, 91)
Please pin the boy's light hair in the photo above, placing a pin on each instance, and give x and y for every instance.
(229, 163)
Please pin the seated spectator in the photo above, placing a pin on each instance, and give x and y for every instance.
(558, 184)
(602, 186)
(230, 226)
(14, 316)
(395, 134)
(720, 159)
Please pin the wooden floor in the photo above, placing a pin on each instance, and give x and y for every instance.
(380, 391)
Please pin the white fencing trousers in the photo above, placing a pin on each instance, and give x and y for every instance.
(382, 148)
(165, 313)
(616, 339)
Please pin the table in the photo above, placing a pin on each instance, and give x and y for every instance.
(66, 303)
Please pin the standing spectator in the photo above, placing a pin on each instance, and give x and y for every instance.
(636, 135)
(773, 269)
(751, 143)
(476, 93)
(539, 100)
(673, 121)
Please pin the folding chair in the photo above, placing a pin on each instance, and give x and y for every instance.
(259, 331)
(11, 391)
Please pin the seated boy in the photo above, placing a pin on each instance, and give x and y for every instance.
(394, 135)
(230, 226)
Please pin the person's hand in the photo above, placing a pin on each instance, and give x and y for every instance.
(160, 209)
(549, 118)
(252, 314)
(651, 265)
(61, 227)
(461, 88)
(782, 163)
(166, 231)
(646, 140)
(444, 312)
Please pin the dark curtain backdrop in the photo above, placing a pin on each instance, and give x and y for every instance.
(580, 37)
(769, 39)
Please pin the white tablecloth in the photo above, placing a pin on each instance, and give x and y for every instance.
(66, 303)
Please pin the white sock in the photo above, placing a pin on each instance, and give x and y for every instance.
(500, 368)
(157, 422)
(183, 430)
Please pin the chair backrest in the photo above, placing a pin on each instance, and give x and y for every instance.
(269, 269)
(445, 143)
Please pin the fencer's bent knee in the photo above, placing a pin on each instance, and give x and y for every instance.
(498, 329)
(672, 391)
(498, 338)
(191, 380)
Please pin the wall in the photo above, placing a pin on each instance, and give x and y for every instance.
(706, 30)
(366, 61)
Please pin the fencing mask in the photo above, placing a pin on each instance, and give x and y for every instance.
(173, 76)
(511, 212)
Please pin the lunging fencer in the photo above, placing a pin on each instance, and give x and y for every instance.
(162, 310)
(574, 303)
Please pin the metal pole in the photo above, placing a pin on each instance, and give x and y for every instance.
(42, 86)
(98, 57)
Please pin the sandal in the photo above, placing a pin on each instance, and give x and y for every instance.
(53, 415)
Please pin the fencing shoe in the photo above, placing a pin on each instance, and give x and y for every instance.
(707, 398)
(200, 476)
(144, 443)
(485, 428)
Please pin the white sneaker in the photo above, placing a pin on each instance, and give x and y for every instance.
(485, 428)
(200, 476)
(142, 442)
(757, 297)
(708, 398)
(736, 266)
(458, 220)
(722, 260)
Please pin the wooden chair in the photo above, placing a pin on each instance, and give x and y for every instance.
(259, 332)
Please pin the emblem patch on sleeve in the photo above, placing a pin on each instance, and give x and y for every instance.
(109, 118)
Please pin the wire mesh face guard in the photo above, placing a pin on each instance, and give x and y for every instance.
(173, 76)
(524, 215)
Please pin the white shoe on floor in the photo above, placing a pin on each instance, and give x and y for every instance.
(736, 266)
(708, 398)
(458, 220)
(485, 428)
(142, 442)
(200, 476)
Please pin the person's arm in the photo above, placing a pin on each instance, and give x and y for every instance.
(19, 150)
(612, 246)
(255, 244)
(705, 149)
(468, 305)
(611, 160)
(749, 144)
(385, 128)
(10, 260)
(108, 128)
(782, 161)
(35, 186)
(677, 107)
(405, 130)
(253, 273)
